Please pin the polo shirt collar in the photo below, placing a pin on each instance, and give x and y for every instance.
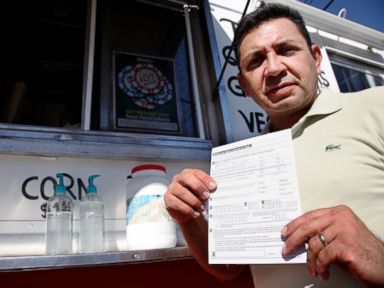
(326, 103)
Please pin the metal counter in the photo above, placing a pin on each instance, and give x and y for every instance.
(91, 259)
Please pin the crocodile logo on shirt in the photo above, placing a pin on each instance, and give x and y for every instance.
(332, 147)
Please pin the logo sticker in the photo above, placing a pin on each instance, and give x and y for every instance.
(332, 147)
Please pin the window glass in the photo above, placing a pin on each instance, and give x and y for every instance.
(151, 88)
(41, 62)
(354, 76)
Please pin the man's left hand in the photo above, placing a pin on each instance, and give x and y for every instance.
(337, 235)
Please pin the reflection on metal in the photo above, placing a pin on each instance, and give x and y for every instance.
(15, 139)
(92, 259)
(174, 5)
(89, 64)
(192, 62)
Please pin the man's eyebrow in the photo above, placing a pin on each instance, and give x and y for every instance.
(253, 54)
(283, 43)
(257, 52)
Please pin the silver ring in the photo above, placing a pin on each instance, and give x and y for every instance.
(323, 240)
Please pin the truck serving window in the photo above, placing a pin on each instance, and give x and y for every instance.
(41, 62)
(116, 66)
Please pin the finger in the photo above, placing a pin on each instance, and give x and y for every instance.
(294, 224)
(316, 222)
(184, 195)
(332, 211)
(308, 229)
(311, 264)
(311, 258)
(324, 259)
(197, 181)
(315, 246)
(181, 209)
(324, 276)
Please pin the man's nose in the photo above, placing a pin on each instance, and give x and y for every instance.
(274, 65)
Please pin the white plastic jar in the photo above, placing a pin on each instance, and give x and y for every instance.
(148, 224)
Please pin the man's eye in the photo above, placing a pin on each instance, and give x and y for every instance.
(287, 51)
(255, 62)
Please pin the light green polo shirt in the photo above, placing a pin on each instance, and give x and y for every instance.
(339, 150)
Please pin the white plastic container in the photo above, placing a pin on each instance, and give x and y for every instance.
(149, 226)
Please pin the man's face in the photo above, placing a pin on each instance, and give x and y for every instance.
(278, 69)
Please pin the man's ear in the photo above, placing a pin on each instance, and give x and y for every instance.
(242, 83)
(316, 54)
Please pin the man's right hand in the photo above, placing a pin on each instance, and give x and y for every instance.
(187, 194)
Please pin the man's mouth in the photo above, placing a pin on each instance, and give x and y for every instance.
(279, 88)
(282, 88)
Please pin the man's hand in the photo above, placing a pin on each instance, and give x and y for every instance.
(337, 235)
(187, 194)
(185, 199)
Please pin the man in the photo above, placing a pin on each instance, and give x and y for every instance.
(339, 148)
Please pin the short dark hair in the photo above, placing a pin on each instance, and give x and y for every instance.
(263, 13)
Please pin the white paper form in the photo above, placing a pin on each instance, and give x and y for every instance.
(257, 196)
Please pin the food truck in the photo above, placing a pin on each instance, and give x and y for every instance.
(99, 87)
